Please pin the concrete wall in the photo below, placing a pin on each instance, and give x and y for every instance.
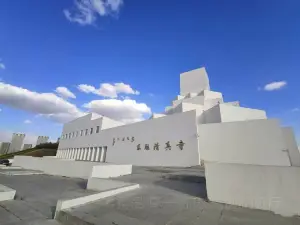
(58, 167)
(291, 145)
(212, 115)
(274, 188)
(194, 81)
(123, 142)
(212, 94)
(72, 168)
(258, 142)
(107, 171)
(232, 113)
(109, 123)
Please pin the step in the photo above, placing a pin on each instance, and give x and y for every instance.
(68, 203)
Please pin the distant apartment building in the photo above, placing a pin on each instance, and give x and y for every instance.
(42, 139)
(27, 146)
(16, 142)
(4, 147)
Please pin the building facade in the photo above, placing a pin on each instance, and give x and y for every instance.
(16, 142)
(4, 147)
(197, 120)
(42, 140)
(27, 146)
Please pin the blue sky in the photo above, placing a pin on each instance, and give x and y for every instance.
(137, 49)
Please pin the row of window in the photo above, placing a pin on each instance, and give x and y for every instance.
(80, 133)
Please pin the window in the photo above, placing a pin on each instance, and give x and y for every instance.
(77, 132)
(86, 132)
(81, 132)
(98, 128)
(91, 130)
(69, 135)
(73, 135)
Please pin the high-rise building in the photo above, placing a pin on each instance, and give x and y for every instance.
(27, 146)
(42, 139)
(16, 142)
(4, 147)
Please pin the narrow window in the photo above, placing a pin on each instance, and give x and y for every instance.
(91, 130)
(81, 132)
(98, 128)
(86, 132)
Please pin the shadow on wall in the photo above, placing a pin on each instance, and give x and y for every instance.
(188, 184)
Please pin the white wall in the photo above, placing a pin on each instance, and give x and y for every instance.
(54, 166)
(109, 123)
(291, 145)
(274, 188)
(258, 142)
(171, 128)
(194, 81)
(233, 113)
(235, 103)
(212, 115)
(212, 94)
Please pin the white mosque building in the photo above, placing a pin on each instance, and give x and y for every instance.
(197, 123)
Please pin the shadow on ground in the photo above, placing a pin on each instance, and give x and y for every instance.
(188, 184)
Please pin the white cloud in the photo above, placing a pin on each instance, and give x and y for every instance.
(108, 90)
(64, 92)
(295, 109)
(85, 12)
(275, 85)
(2, 66)
(46, 104)
(127, 110)
(27, 121)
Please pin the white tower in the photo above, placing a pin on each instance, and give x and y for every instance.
(16, 142)
(42, 139)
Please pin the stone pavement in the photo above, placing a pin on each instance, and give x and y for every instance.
(168, 196)
(36, 197)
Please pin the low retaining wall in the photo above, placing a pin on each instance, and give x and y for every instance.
(72, 168)
(107, 171)
(6, 193)
(273, 188)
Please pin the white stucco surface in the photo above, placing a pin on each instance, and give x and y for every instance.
(169, 129)
(59, 167)
(109, 170)
(232, 113)
(72, 168)
(6, 193)
(194, 81)
(258, 142)
(291, 145)
(273, 188)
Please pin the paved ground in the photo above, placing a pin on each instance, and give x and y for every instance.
(36, 196)
(170, 197)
